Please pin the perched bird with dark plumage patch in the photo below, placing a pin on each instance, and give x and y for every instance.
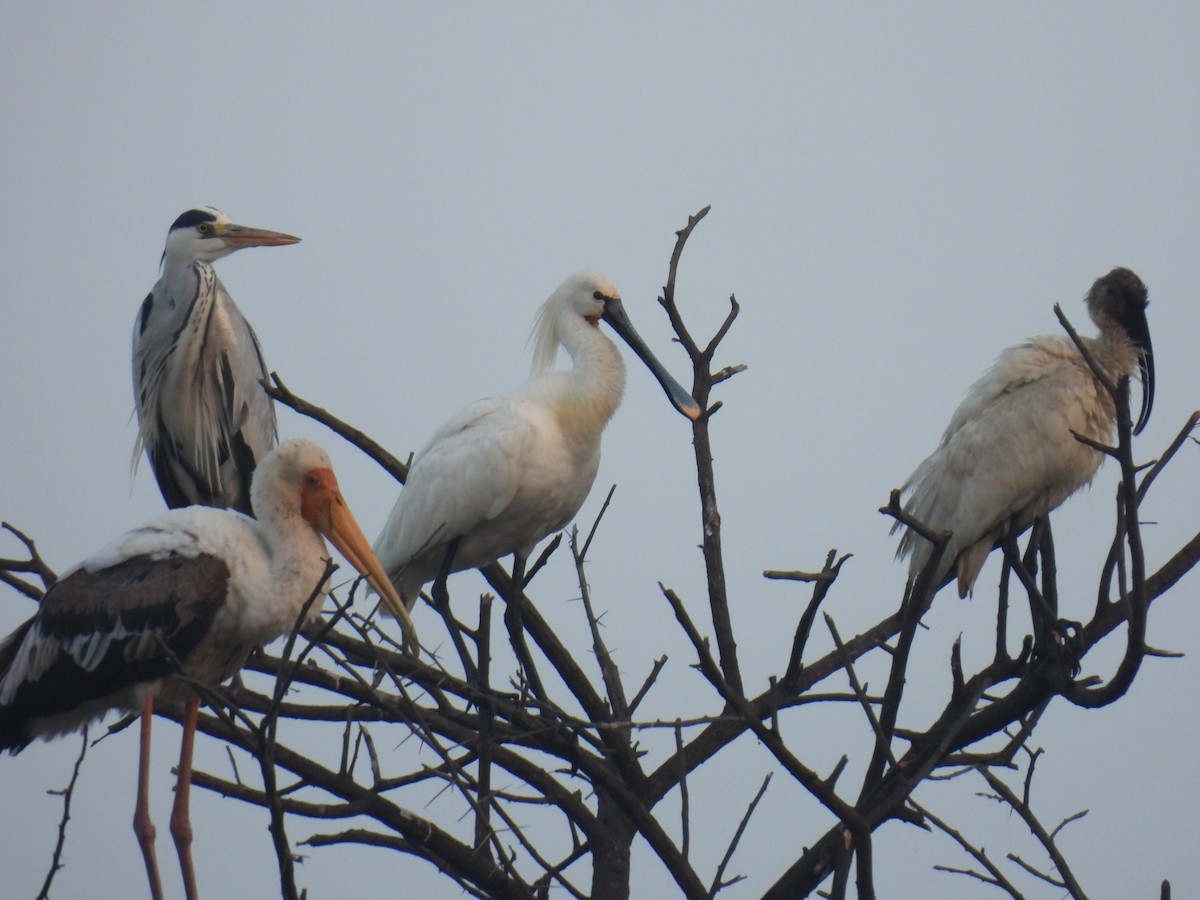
(182, 599)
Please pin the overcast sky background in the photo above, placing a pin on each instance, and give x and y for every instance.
(897, 195)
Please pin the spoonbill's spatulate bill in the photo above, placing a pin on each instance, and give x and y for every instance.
(190, 593)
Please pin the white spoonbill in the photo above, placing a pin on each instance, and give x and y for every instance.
(190, 593)
(1009, 455)
(203, 418)
(509, 470)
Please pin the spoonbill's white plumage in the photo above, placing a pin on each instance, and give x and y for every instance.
(1009, 455)
(203, 416)
(509, 470)
(190, 593)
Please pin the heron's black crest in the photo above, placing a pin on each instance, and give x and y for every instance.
(193, 217)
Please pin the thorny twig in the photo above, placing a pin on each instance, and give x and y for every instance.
(993, 877)
(702, 384)
(67, 794)
(1022, 808)
(718, 882)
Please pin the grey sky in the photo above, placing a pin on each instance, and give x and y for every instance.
(897, 195)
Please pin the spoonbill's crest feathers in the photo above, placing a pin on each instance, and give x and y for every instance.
(577, 294)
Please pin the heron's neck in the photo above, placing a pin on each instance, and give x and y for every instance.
(175, 264)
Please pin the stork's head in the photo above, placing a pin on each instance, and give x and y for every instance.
(1117, 303)
(296, 479)
(207, 234)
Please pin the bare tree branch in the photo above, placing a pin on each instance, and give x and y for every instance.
(67, 794)
(513, 784)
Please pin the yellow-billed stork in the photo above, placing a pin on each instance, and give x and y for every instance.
(183, 598)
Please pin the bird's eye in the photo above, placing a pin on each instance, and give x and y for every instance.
(204, 228)
(596, 295)
(312, 481)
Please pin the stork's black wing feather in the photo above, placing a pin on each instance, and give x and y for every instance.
(98, 634)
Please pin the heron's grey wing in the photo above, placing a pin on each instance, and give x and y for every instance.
(250, 423)
(160, 337)
(204, 417)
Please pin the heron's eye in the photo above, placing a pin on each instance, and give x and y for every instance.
(205, 228)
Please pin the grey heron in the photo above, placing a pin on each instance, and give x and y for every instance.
(204, 420)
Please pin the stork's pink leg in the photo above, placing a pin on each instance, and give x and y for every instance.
(143, 827)
(181, 822)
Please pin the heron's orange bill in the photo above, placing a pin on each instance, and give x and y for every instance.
(349, 540)
(244, 236)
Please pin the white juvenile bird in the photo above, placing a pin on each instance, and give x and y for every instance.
(1009, 456)
(203, 416)
(509, 470)
(189, 594)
